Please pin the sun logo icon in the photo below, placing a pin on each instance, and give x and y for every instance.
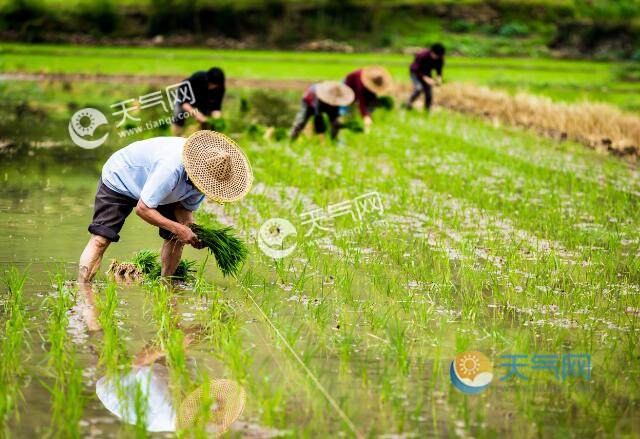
(471, 372)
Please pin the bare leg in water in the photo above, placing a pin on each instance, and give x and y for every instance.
(89, 264)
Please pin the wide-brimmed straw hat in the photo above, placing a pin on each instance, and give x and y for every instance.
(217, 166)
(217, 405)
(377, 79)
(334, 93)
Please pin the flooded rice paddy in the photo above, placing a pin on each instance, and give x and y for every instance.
(489, 239)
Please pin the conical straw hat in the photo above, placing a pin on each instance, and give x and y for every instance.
(334, 93)
(377, 79)
(224, 399)
(217, 166)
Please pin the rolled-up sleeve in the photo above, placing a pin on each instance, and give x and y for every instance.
(159, 185)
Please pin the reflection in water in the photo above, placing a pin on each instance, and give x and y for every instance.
(223, 400)
(144, 391)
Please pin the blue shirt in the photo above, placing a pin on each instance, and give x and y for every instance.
(151, 170)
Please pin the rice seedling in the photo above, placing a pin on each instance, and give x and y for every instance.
(67, 396)
(229, 251)
(13, 345)
(113, 353)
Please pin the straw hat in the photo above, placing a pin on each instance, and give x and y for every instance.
(377, 79)
(334, 93)
(218, 405)
(217, 166)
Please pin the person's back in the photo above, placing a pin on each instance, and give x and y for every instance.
(129, 168)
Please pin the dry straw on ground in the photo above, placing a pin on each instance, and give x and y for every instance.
(599, 126)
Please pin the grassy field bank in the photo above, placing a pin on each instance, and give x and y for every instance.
(600, 28)
(559, 79)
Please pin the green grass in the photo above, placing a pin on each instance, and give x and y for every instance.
(560, 79)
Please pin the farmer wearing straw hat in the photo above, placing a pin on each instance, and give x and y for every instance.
(199, 96)
(420, 70)
(322, 98)
(368, 84)
(164, 179)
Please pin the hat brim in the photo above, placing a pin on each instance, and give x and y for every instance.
(368, 80)
(323, 92)
(198, 148)
(228, 393)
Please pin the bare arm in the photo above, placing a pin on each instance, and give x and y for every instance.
(155, 218)
(429, 80)
(193, 112)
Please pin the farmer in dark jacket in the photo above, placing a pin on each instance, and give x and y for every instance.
(322, 98)
(199, 97)
(424, 63)
(368, 84)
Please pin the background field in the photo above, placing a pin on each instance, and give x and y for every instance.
(563, 80)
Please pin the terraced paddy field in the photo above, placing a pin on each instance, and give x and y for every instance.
(431, 236)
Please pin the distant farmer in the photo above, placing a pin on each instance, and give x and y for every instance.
(164, 179)
(322, 98)
(199, 97)
(421, 69)
(368, 84)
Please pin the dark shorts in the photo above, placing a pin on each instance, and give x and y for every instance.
(111, 209)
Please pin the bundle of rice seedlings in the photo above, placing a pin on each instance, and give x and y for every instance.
(185, 271)
(146, 264)
(229, 251)
(386, 103)
(353, 125)
(218, 125)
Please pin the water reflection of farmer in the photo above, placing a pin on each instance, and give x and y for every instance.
(199, 99)
(368, 84)
(323, 98)
(165, 179)
(144, 388)
(148, 383)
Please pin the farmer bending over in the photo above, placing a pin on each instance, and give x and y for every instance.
(323, 98)
(164, 179)
(199, 97)
(368, 84)
(423, 64)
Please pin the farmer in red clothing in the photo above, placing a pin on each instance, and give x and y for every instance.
(367, 84)
(423, 64)
(323, 98)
